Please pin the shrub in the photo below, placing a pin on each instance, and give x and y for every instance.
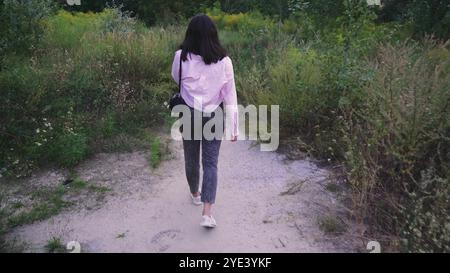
(69, 149)
(155, 153)
(55, 245)
(346, 89)
(249, 23)
(308, 86)
(67, 31)
(21, 24)
(426, 216)
(398, 131)
(424, 17)
(93, 75)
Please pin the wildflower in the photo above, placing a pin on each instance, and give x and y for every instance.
(37, 130)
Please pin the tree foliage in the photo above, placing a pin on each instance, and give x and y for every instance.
(425, 16)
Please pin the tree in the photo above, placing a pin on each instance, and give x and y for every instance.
(426, 16)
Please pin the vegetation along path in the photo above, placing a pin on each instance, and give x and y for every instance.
(265, 203)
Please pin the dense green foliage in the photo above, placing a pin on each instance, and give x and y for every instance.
(423, 16)
(91, 76)
(351, 90)
(21, 24)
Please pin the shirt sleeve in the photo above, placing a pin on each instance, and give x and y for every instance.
(176, 66)
(229, 96)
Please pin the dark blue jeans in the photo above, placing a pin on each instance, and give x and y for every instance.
(210, 155)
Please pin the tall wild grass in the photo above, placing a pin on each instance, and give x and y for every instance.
(353, 92)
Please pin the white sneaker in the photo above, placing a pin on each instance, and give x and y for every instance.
(196, 200)
(208, 221)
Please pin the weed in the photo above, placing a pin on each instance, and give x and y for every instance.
(332, 225)
(55, 245)
(155, 153)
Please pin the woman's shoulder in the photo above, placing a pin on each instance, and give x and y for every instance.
(190, 55)
(227, 61)
(228, 67)
(177, 55)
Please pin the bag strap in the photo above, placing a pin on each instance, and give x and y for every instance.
(179, 75)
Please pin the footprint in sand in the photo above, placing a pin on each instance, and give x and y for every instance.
(164, 239)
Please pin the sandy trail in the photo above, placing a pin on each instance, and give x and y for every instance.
(150, 210)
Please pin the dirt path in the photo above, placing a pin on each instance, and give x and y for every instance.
(150, 210)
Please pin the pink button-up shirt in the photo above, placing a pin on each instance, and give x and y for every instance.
(204, 87)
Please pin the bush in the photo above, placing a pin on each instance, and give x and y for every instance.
(21, 24)
(155, 159)
(309, 86)
(347, 89)
(424, 16)
(69, 148)
(427, 221)
(399, 130)
(249, 23)
(380, 107)
(92, 76)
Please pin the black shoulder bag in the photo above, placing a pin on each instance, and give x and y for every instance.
(176, 98)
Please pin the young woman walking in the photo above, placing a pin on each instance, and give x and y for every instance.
(207, 84)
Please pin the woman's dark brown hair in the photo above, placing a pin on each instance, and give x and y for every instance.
(202, 39)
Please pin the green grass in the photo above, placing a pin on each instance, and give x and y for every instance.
(99, 189)
(155, 159)
(47, 202)
(17, 205)
(369, 100)
(12, 246)
(40, 212)
(333, 187)
(55, 245)
(78, 184)
(331, 225)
